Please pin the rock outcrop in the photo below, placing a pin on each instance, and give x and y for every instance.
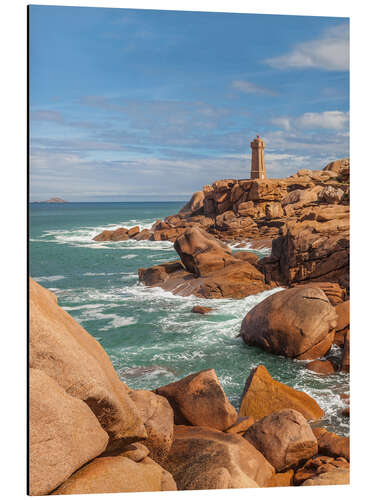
(331, 444)
(203, 458)
(334, 477)
(200, 400)
(284, 438)
(263, 395)
(207, 269)
(317, 466)
(304, 217)
(157, 415)
(116, 475)
(296, 323)
(121, 234)
(67, 353)
(64, 434)
(321, 366)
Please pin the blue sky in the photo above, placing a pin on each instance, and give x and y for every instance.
(132, 105)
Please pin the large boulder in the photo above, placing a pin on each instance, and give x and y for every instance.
(199, 399)
(337, 165)
(319, 465)
(64, 434)
(267, 190)
(335, 293)
(117, 475)
(300, 197)
(157, 415)
(284, 438)
(204, 458)
(263, 395)
(194, 205)
(234, 281)
(331, 444)
(201, 253)
(334, 477)
(119, 234)
(66, 352)
(296, 323)
(321, 366)
(312, 248)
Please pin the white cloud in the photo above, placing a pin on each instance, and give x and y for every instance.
(282, 121)
(331, 52)
(334, 120)
(331, 120)
(250, 88)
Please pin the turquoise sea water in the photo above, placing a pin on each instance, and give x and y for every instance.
(151, 335)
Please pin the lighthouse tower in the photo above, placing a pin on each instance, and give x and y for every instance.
(258, 168)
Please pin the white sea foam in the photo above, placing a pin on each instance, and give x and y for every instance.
(117, 321)
(248, 246)
(83, 236)
(49, 278)
(130, 256)
(85, 306)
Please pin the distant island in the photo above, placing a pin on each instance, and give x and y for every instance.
(52, 200)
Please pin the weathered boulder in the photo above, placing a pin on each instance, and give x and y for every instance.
(250, 257)
(133, 231)
(204, 458)
(300, 197)
(343, 322)
(331, 444)
(319, 465)
(201, 253)
(157, 415)
(329, 194)
(117, 475)
(322, 367)
(296, 323)
(335, 293)
(134, 451)
(334, 477)
(201, 309)
(235, 281)
(241, 425)
(65, 351)
(263, 395)
(64, 434)
(145, 234)
(284, 438)
(267, 190)
(281, 479)
(119, 234)
(314, 248)
(194, 205)
(199, 399)
(337, 165)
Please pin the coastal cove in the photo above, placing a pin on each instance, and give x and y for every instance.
(151, 336)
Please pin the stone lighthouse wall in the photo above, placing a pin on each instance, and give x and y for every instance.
(258, 168)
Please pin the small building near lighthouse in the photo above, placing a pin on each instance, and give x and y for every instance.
(258, 167)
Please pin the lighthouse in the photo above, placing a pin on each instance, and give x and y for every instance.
(258, 168)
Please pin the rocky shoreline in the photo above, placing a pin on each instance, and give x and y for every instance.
(91, 433)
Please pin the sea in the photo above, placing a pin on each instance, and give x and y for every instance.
(151, 336)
